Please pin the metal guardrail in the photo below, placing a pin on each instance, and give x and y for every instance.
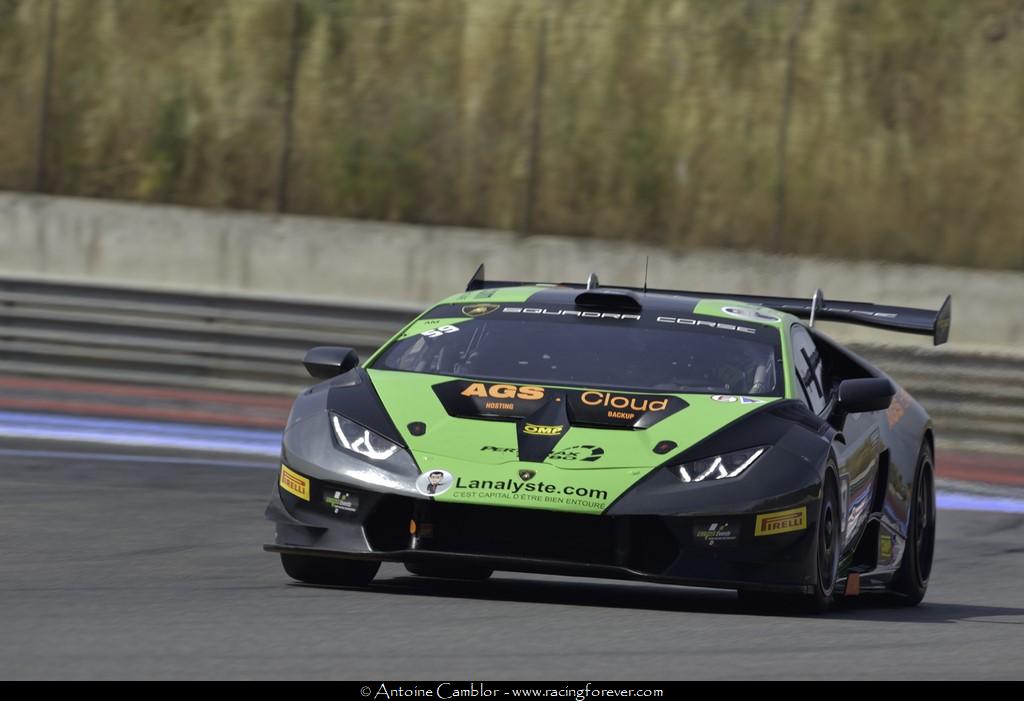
(252, 344)
(182, 339)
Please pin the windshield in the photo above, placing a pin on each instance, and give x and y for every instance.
(562, 347)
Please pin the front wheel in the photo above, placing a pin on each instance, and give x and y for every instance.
(826, 562)
(911, 580)
(329, 570)
(826, 549)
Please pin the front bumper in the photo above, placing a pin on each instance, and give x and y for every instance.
(656, 548)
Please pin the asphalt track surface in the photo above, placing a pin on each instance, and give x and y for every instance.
(142, 565)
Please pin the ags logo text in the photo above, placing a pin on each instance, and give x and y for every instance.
(479, 389)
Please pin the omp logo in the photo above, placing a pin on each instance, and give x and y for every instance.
(615, 401)
(479, 389)
(539, 430)
(294, 483)
(781, 522)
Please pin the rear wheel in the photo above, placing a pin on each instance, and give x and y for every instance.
(449, 570)
(329, 570)
(826, 563)
(911, 580)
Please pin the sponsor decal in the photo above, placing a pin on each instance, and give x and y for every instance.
(341, 501)
(618, 410)
(582, 453)
(479, 309)
(621, 402)
(885, 547)
(684, 321)
(541, 430)
(781, 522)
(540, 311)
(294, 483)
(527, 475)
(434, 482)
(536, 491)
(497, 449)
(750, 400)
(716, 532)
(471, 399)
(483, 390)
(863, 312)
(728, 398)
(753, 314)
(466, 398)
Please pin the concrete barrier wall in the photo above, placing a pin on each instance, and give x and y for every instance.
(294, 256)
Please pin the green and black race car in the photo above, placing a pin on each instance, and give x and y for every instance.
(701, 439)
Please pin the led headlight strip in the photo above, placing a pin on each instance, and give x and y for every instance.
(720, 466)
(362, 441)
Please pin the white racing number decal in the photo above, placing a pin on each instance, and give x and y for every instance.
(439, 331)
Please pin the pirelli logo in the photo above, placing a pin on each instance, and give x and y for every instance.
(781, 522)
(294, 483)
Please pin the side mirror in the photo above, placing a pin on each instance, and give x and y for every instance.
(325, 362)
(867, 394)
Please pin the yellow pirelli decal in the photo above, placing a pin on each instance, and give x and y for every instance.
(781, 522)
(294, 483)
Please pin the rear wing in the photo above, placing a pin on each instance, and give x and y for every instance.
(905, 319)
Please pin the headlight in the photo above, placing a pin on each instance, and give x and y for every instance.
(718, 467)
(362, 441)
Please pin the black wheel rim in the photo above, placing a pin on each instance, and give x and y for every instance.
(924, 523)
(827, 537)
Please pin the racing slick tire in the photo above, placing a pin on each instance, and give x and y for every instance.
(911, 580)
(826, 563)
(329, 570)
(449, 570)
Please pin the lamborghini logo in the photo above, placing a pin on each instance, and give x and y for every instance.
(527, 475)
(478, 309)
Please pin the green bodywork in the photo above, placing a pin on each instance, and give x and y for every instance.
(482, 454)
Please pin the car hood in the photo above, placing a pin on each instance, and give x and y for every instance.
(541, 446)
